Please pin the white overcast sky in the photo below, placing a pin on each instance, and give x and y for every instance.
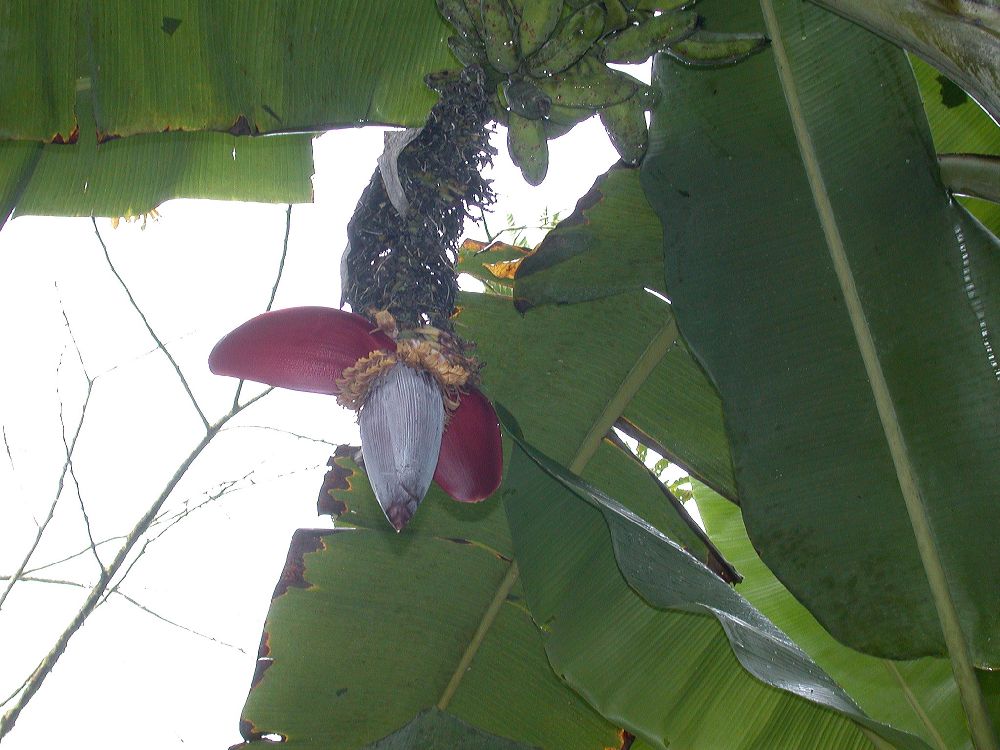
(129, 679)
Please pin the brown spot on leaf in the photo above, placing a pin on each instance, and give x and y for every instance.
(247, 731)
(170, 25)
(264, 650)
(458, 540)
(255, 737)
(337, 478)
(304, 541)
(105, 137)
(260, 667)
(626, 737)
(243, 126)
(722, 568)
(73, 137)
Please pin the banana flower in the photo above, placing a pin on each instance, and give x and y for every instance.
(415, 424)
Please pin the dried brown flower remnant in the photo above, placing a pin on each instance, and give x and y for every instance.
(405, 264)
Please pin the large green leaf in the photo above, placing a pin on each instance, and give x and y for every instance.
(846, 309)
(918, 696)
(610, 245)
(163, 71)
(651, 637)
(436, 730)
(958, 36)
(218, 64)
(368, 628)
(365, 576)
(131, 176)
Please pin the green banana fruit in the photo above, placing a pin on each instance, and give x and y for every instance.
(528, 147)
(539, 19)
(561, 120)
(589, 84)
(625, 123)
(525, 98)
(466, 52)
(637, 44)
(615, 16)
(456, 13)
(712, 49)
(498, 35)
(665, 6)
(569, 43)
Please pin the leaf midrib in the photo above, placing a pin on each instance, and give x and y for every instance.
(636, 377)
(955, 641)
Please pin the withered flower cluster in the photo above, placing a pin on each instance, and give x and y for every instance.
(403, 262)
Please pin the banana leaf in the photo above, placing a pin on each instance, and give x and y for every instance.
(654, 639)
(369, 628)
(433, 729)
(223, 65)
(846, 309)
(165, 75)
(132, 176)
(918, 696)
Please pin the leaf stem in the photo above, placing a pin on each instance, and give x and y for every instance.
(477, 639)
(149, 328)
(634, 380)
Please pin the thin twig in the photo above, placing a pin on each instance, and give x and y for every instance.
(277, 280)
(159, 520)
(486, 227)
(62, 428)
(284, 254)
(278, 429)
(6, 445)
(160, 345)
(84, 551)
(13, 695)
(96, 594)
(227, 488)
(130, 600)
(52, 508)
(177, 518)
(76, 482)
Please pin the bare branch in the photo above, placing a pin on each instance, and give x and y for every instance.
(278, 429)
(97, 592)
(284, 254)
(84, 551)
(130, 600)
(6, 445)
(76, 482)
(60, 485)
(160, 345)
(171, 522)
(277, 280)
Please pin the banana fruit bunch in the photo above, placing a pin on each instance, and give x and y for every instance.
(548, 62)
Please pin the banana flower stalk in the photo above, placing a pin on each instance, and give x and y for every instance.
(415, 426)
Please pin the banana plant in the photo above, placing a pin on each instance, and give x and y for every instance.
(826, 364)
